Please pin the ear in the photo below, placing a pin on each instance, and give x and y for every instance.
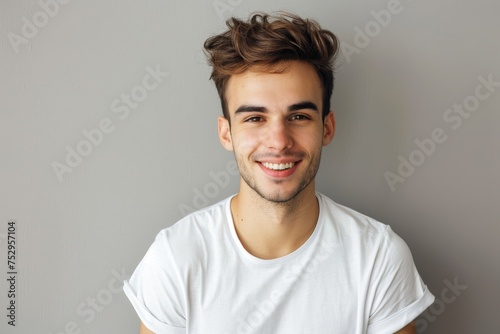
(328, 128)
(225, 133)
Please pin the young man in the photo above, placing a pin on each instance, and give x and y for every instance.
(277, 257)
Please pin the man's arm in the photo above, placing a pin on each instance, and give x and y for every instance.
(408, 329)
(145, 330)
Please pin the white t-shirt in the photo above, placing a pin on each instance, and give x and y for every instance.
(353, 275)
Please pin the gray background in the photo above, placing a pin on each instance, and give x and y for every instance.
(78, 233)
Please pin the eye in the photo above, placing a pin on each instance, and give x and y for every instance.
(254, 119)
(299, 117)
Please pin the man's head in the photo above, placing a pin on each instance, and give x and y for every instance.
(266, 43)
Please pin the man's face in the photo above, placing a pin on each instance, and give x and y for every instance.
(276, 129)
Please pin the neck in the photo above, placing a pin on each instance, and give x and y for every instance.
(270, 230)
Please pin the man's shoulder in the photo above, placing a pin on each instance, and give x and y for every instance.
(347, 223)
(341, 214)
(199, 223)
(360, 233)
(189, 240)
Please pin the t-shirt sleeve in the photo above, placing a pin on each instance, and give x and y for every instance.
(155, 290)
(398, 293)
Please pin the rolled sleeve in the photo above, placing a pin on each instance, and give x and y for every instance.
(155, 290)
(399, 294)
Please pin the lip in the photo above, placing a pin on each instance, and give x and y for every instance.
(279, 173)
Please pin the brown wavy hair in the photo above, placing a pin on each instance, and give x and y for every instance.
(264, 42)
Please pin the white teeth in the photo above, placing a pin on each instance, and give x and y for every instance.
(278, 166)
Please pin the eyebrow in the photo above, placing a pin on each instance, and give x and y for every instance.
(293, 107)
(303, 105)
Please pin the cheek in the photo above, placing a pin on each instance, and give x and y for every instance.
(245, 142)
(312, 140)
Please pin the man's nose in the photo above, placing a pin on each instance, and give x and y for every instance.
(279, 137)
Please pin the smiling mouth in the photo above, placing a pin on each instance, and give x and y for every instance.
(278, 167)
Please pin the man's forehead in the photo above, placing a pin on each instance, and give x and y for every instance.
(295, 69)
(281, 67)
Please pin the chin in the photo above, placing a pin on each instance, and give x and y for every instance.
(279, 196)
